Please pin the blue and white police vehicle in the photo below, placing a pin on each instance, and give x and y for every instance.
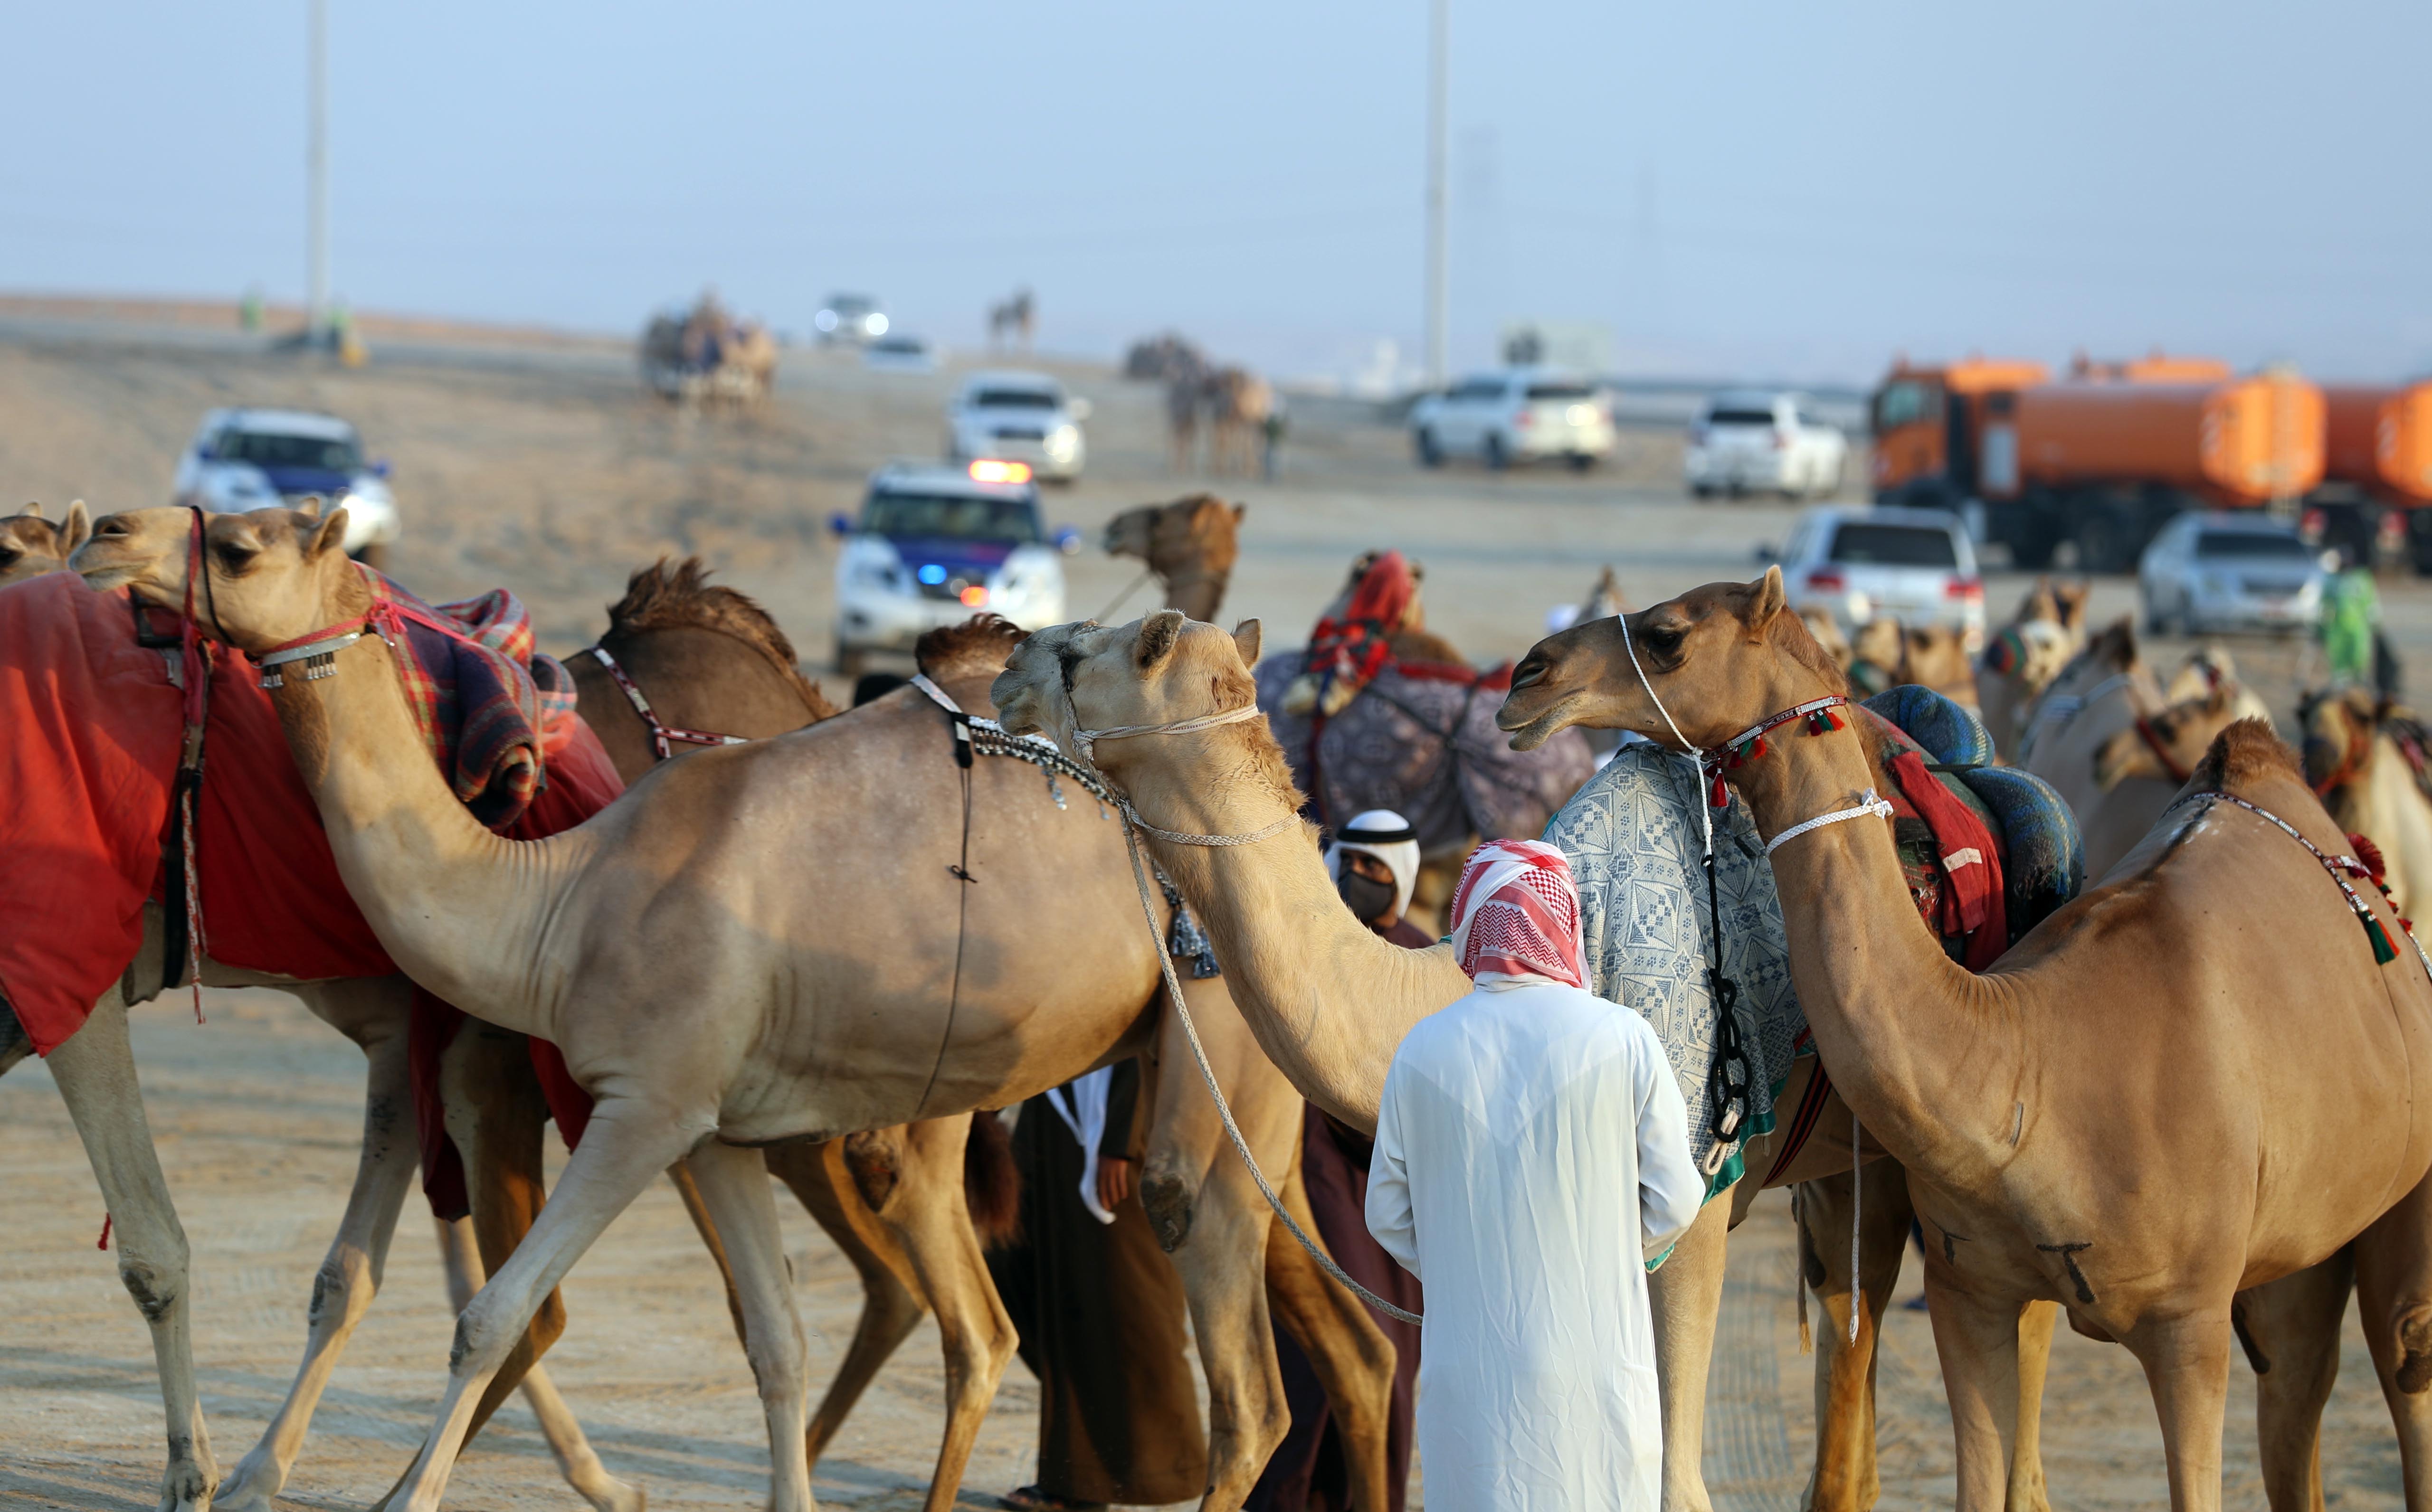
(937, 544)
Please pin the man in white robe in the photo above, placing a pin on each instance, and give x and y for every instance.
(1532, 1152)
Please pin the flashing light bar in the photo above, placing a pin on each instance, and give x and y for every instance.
(990, 470)
(975, 596)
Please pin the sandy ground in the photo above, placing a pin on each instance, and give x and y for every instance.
(543, 466)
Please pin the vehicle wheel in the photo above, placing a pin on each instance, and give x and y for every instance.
(1497, 458)
(1582, 461)
(375, 556)
(1702, 490)
(1430, 455)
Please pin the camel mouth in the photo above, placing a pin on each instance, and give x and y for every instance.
(1528, 732)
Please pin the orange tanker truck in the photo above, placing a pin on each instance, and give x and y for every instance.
(2377, 456)
(2100, 459)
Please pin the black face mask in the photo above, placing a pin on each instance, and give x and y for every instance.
(1368, 899)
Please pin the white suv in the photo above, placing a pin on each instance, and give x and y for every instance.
(1023, 417)
(242, 460)
(1915, 566)
(934, 545)
(1753, 440)
(1520, 414)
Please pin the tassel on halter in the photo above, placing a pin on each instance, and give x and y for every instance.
(2383, 952)
(1823, 721)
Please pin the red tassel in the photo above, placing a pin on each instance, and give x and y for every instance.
(2370, 854)
(105, 1232)
(1720, 796)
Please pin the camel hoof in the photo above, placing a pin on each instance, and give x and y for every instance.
(612, 1495)
(252, 1487)
(186, 1486)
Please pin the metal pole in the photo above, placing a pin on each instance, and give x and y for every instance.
(316, 168)
(1439, 282)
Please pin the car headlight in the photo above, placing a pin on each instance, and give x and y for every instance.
(1061, 439)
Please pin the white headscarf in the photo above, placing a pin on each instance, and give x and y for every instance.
(1386, 836)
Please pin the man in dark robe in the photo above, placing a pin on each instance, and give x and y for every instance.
(1099, 1308)
(1375, 864)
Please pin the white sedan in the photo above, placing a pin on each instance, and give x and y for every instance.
(1520, 414)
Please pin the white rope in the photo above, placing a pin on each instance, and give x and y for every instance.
(1869, 804)
(1088, 739)
(1688, 747)
(1855, 1199)
(1224, 1111)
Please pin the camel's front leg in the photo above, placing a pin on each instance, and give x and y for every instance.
(931, 1223)
(1686, 1296)
(2291, 1331)
(1844, 1479)
(735, 1187)
(891, 1304)
(350, 1273)
(95, 1072)
(1977, 1339)
(2187, 1363)
(626, 1145)
(1353, 1359)
(2036, 1323)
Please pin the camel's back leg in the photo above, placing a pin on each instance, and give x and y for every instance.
(735, 1187)
(688, 1192)
(2289, 1329)
(374, 1014)
(1351, 1355)
(95, 1072)
(891, 1304)
(1845, 1475)
(2394, 1274)
(931, 1221)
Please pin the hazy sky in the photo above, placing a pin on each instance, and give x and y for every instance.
(1744, 185)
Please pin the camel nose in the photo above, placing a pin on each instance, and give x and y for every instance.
(1531, 672)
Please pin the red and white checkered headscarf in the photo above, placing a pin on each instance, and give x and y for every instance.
(1515, 916)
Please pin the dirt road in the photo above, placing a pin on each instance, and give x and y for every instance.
(547, 469)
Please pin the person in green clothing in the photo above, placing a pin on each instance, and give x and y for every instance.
(2351, 619)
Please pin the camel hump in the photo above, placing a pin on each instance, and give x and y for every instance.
(977, 647)
(2245, 755)
(679, 596)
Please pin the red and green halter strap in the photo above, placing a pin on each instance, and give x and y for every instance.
(2340, 868)
(1748, 745)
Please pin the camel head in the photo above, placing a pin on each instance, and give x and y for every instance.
(1200, 533)
(271, 576)
(2338, 727)
(1936, 656)
(1721, 658)
(2171, 743)
(31, 545)
(1153, 671)
(1827, 631)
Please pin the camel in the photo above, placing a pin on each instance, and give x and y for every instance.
(1329, 1004)
(2026, 654)
(31, 545)
(2213, 928)
(2365, 758)
(1189, 545)
(1015, 317)
(1239, 403)
(692, 974)
(2141, 770)
(1886, 653)
(2095, 698)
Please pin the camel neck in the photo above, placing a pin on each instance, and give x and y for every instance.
(1197, 591)
(460, 909)
(1918, 1045)
(1328, 1000)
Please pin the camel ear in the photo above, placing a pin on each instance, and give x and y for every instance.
(75, 530)
(310, 506)
(1766, 598)
(33, 510)
(1238, 511)
(1159, 633)
(331, 536)
(1246, 640)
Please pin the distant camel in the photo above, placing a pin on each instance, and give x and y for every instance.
(1239, 403)
(1016, 316)
(31, 545)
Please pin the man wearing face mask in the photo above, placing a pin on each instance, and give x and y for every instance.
(1374, 862)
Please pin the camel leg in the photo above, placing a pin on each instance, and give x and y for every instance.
(2035, 1322)
(350, 1274)
(2290, 1330)
(735, 1187)
(932, 1224)
(95, 1072)
(625, 1147)
(1977, 1339)
(1351, 1355)
(891, 1303)
(2187, 1365)
(688, 1191)
(1844, 1479)
(2393, 1271)
(1686, 1296)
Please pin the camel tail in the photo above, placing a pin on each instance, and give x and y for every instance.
(992, 1182)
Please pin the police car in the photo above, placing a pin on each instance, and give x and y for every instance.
(935, 546)
(244, 460)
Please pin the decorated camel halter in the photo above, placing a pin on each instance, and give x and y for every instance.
(317, 651)
(662, 734)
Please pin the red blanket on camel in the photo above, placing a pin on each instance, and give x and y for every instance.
(91, 722)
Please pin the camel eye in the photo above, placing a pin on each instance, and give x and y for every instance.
(1663, 640)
